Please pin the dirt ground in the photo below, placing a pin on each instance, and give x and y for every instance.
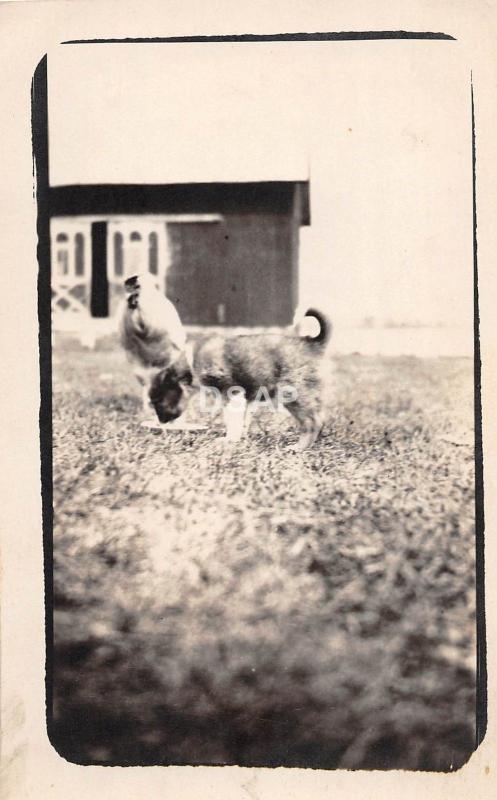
(246, 604)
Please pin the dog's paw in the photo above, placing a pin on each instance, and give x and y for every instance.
(306, 441)
(232, 438)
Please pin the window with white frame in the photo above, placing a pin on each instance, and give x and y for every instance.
(153, 253)
(62, 257)
(118, 255)
(79, 255)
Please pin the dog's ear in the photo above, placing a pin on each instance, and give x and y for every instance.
(131, 284)
(170, 377)
(185, 376)
(182, 371)
(156, 384)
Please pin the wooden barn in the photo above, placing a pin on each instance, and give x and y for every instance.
(225, 253)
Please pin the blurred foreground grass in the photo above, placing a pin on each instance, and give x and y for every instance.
(250, 605)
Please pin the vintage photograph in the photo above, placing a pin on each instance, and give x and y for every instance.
(258, 422)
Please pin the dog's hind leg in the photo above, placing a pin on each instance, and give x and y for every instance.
(310, 421)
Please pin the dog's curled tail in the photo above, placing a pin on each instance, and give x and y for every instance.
(323, 334)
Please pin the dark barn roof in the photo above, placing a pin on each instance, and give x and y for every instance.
(277, 197)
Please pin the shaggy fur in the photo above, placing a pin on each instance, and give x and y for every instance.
(155, 341)
(271, 362)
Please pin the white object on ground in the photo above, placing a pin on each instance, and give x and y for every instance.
(177, 425)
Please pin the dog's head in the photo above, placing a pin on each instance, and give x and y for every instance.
(168, 392)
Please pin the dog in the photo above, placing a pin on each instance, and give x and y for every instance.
(154, 340)
(286, 367)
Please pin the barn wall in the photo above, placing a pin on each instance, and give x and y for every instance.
(195, 274)
(239, 272)
(259, 266)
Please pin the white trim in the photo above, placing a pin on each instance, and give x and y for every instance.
(135, 253)
(142, 218)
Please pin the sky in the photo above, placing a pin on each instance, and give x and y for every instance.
(381, 129)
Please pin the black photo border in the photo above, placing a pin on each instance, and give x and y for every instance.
(45, 196)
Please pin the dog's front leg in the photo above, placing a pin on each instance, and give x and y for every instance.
(235, 415)
(144, 384)
(147, 411)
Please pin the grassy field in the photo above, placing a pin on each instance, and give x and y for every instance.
(250, 605)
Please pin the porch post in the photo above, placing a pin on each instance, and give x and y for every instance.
(99, 304)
